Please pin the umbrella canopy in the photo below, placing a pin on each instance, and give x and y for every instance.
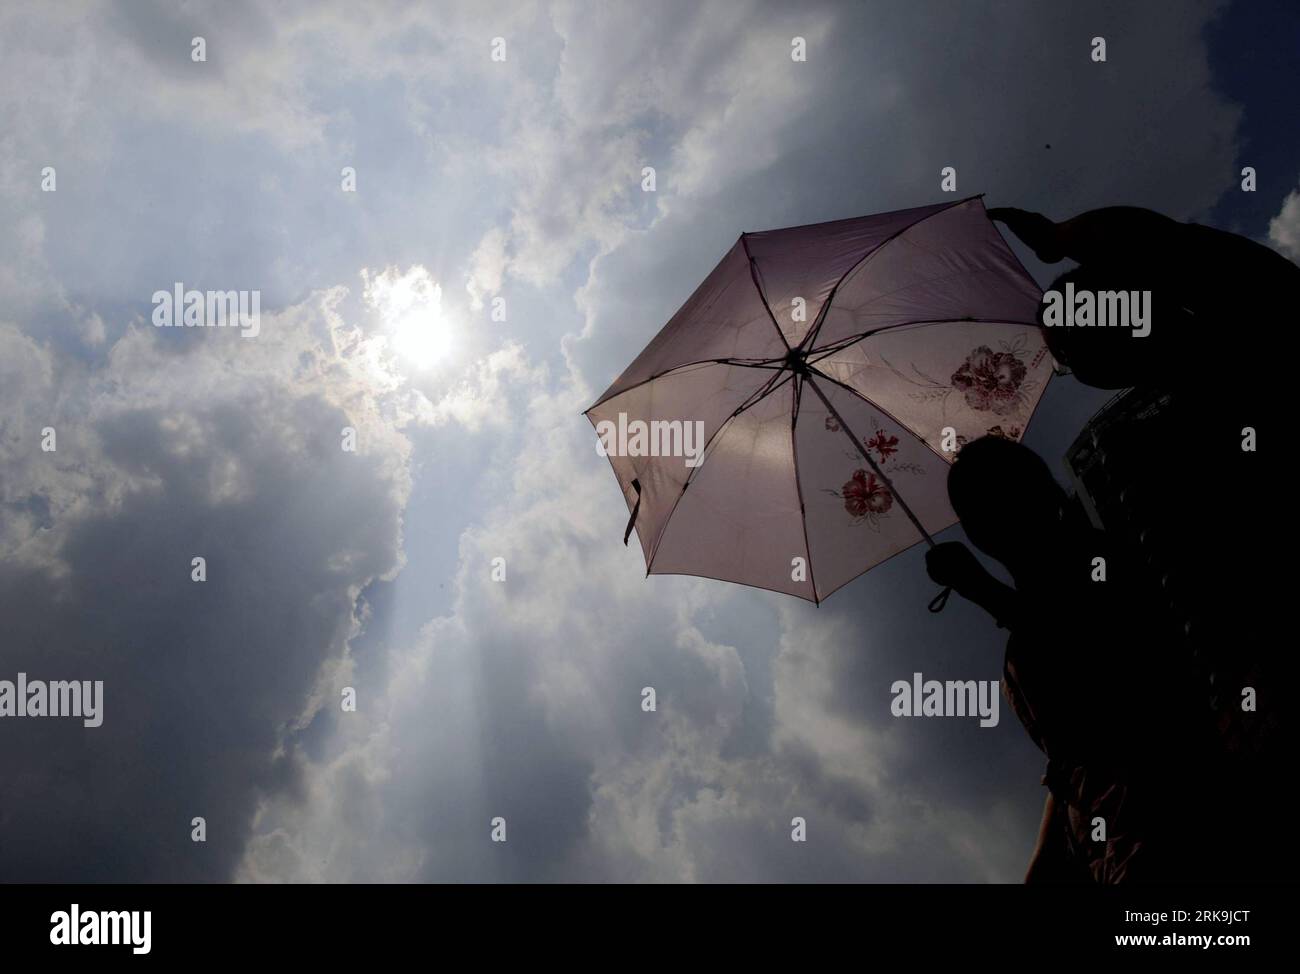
(791, 427)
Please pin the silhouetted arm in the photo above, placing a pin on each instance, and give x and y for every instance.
(1112, 233)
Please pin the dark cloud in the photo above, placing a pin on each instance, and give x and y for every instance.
(202, 680)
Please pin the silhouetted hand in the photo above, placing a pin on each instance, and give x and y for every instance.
(1038, 233)
(954, 565)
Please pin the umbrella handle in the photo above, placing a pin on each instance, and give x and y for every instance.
(939, 601)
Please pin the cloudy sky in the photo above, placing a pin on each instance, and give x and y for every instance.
(519, 179)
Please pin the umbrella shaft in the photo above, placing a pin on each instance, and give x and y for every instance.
(861, 448)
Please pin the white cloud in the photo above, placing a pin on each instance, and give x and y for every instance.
(1284, 229)
(487, 267)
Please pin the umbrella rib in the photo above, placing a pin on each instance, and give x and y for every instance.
(754, 585)
(866, 455)
(931, 281)
(771, 386)
(798, 487)
(757, 363)
(821, 315)
(762, 296)
(827, 350)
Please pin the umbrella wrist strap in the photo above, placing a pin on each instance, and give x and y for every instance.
(636, 509)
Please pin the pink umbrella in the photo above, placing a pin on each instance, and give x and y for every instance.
(769, 434)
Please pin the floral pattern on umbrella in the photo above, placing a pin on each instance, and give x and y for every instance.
(866, 496)
(989, 381)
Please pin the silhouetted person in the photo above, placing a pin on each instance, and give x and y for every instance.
(1197, 514)
(1085, 673)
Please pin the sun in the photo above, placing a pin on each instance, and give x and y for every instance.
(423, 337)
(409, 309)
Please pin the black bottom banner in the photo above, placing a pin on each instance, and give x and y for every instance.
(143, 924)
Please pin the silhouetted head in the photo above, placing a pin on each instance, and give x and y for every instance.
(1112, 357)
(1008, 501)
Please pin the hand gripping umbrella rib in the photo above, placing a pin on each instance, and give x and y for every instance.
(792, 425)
